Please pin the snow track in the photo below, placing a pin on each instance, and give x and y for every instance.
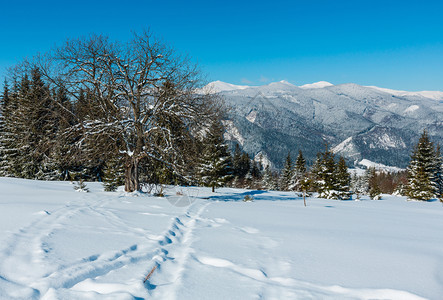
(176, 247)
(32, 267)
(26, 249)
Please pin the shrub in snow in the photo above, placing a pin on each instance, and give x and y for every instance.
(375, 193)
(159, 191)
(248, 198)
(80, 186)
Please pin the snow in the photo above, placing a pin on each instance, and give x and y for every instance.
(343, 146)
(412, 108)
(232, 132)
(252, 116)
(59, 244)
(386, 141)
(316, 85)
(220, 86)
(434, 95)
(262, 158)
(381, 167)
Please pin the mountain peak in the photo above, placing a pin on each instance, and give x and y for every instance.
(280, 84)
(220, 86)
(316, 85)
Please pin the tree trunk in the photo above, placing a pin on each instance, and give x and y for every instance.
(213, 188)
(131, 176)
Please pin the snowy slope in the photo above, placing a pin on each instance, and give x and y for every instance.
(380, 167)
(220, 86)
(56, 243)
(435, 95)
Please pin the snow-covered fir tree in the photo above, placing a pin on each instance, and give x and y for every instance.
(343, 180)
(268, 181)
(422, 169)
(438, 174)
(298, 172)
(326, 176)
(286, 174)
(215, 166)
(360, 184)
(113, 175)
(374, 188)
(4, 103)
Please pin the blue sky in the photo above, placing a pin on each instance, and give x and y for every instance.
(392, 44)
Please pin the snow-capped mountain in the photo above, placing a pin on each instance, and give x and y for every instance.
(358, 122)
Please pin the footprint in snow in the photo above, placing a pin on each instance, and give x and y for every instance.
(43, 213)
(223, 263)
(249, 230)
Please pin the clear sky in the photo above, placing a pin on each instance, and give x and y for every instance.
(392, 44)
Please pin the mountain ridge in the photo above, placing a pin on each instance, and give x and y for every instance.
(380, 125)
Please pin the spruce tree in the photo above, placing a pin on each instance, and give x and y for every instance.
(299, 172)
(286, 174)
(422, 170)
(23, 163)
(8, 140)
(438, 174)
(360, 184)
(244, 165)
(343, 180)
(268, 180)
(4, 102)
(113, 175)
(236, 157)
(315, 172)
(215, 165)
(326, 176)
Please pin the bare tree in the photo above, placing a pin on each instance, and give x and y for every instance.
(144, 94)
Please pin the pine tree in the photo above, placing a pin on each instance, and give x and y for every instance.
(268, 180)
(299, 172)
(374, 188)
(113, 175)
(9, 150)
(244, 165)
(315, 172)
(215, 166)
(236, 157)
(255, 170)
(360, 184)
(421, 170)
(4, 102)
(343, 180)
(286, 174)
(22, 164)
(438, 174)
(326, 176)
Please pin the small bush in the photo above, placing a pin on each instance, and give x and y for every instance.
(248, 198)
(80, 186)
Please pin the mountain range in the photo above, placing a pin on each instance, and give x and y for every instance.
(357, 122)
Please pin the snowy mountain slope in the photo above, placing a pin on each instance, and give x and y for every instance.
(220, 86)
(281, 117)
(436, 95)
(56, 243)
(380, 167)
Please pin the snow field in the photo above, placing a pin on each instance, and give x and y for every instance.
(56, 243)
